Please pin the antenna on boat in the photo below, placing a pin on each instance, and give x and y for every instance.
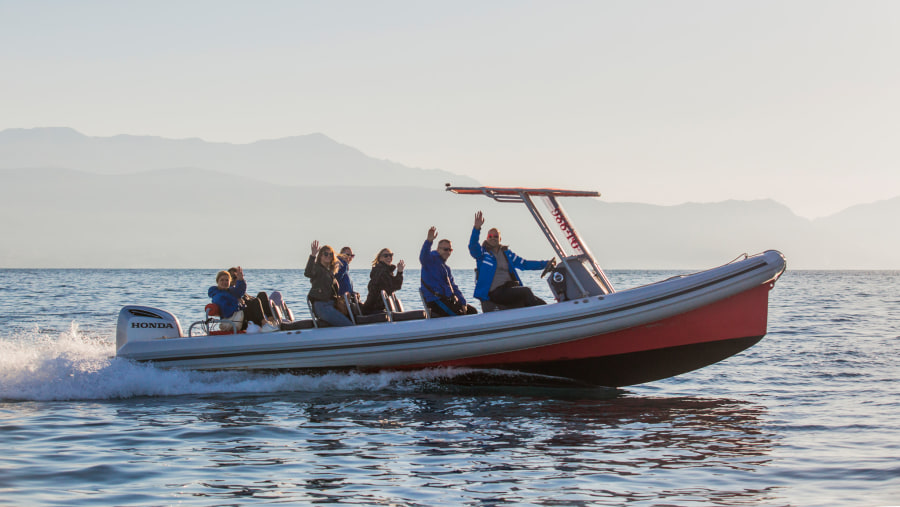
(582, 259)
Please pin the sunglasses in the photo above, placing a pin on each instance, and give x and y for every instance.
(493, 235)
(446, 249)
(389, 255)
(327, 254)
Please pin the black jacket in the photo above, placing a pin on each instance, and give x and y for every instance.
(381, 278)
(324, 285)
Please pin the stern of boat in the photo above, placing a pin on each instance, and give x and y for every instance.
(143, 323)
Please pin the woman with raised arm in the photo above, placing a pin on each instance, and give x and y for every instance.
(382, 278)
(320, 269)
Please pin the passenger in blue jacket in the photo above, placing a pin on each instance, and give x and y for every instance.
(442, 295)
(498, 281)
(228, 294)
(345, 285)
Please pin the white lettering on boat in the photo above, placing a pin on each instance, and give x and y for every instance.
(152, 325)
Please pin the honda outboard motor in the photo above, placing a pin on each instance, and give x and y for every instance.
(141, 323)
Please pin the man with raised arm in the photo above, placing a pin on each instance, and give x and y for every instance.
(498, 279)
(442, 295)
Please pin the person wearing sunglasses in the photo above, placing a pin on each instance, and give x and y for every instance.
(497, 278)
(382, 278)
(320, 269)
(442, 295)
(345, 285)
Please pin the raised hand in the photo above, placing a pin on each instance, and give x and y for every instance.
(315, 247)
(479, 220)
(432, 233)
(400, 266)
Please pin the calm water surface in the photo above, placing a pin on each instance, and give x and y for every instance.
(806, 417)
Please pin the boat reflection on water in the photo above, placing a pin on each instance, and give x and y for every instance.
(531, 445)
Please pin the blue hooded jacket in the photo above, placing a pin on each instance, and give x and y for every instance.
(436, 276)
(228, 300)
(343, 277)
(487, 265)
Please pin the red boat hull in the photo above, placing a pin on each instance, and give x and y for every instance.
(644, 353)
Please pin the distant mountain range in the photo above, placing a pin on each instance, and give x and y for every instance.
(313, 159)
(68, 200)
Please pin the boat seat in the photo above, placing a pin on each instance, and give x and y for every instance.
(317, 322)
(278, 305)
(285, 316)
(424, 303)
(295, 325)
(489, 306)
(277, 315)
(286, 321)
(212, 324)
(356, 314)
(395, 311)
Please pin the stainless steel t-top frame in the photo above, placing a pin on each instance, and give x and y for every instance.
(571, 238)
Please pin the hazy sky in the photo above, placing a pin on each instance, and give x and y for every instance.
(660, 102)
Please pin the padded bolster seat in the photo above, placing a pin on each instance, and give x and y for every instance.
(371, 319)
(392, 302)
(297, 324)
(489, 306)
(408, 315)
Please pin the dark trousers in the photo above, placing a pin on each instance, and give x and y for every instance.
(513, 295)
(257, 309)
(437, 311)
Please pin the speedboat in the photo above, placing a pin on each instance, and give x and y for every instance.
(592, 334)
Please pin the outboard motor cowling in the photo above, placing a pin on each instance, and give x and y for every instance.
(142, 323)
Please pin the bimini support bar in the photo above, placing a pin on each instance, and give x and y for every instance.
(524, 195)
(513, 194)
(554, 242)
(576, 242)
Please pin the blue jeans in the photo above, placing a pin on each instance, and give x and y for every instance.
(326, 311)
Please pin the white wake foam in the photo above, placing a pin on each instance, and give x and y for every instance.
(79, 366)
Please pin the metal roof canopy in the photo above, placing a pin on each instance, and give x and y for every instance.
(549, 195)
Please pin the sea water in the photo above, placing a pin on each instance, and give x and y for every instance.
(809, 416)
